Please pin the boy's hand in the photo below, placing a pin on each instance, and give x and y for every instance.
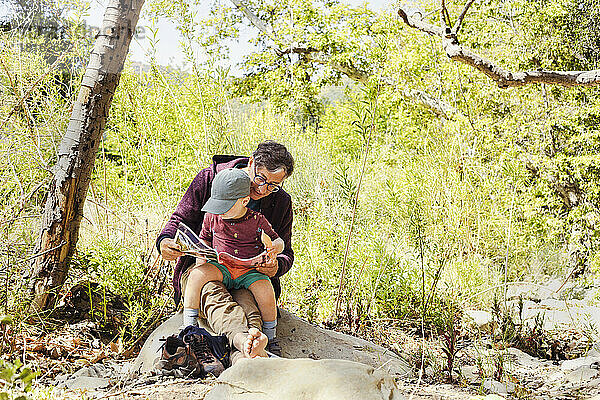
(272, 247)
(169, 250)
(271, 253)
(269, 268)
(200, 261)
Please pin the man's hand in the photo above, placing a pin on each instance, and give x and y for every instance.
(273, 248)
(269, 268)
(169, 250)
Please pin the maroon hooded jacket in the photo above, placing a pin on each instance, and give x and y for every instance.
(276, 207)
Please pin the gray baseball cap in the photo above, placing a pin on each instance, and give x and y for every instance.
(228, 186)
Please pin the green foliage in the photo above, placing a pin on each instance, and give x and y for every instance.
(506, 189)
(566, 32)
(15, 380)
(530, 337)
(115, 266)
(300, 46)
(119, 283)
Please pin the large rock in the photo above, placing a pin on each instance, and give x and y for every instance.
(591, 360)
(279, 378)
(582, 375)
(563, 314)
(529, 291)
(144, 362)
(497, 387)
(482, 320)
(298, 339)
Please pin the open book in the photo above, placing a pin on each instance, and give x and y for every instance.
(191, 244)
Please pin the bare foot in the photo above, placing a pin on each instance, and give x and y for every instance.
(255, 344)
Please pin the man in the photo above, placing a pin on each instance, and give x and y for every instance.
(233, 314)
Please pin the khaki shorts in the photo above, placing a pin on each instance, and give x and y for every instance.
(242, 297)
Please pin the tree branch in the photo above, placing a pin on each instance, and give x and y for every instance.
(255, 20)
(445, 16)
(435, 105)
(311, 54)
(421, 25)
(458, 23)
(503, 77)
(297, 50)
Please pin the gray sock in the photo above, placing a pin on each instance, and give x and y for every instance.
(190, 316)
(269, 329)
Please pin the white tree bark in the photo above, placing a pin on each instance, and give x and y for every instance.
(77, 152)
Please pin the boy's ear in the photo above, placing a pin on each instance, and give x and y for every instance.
(245, 201)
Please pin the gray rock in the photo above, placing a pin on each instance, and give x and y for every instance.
(429, 371)
(528, 291)
(85, 383)
(562, 314)
(594, 351)
(496, 387)
(91, 377)
(481, 320)
(471, 374)
(524, 359)
(587, 361)
(582, 374)
(279, 378)
(94, 370)
(298, 339)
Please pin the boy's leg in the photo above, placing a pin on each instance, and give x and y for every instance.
(198, 276)
(265, 297)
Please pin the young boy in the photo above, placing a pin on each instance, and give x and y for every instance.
(230, 227)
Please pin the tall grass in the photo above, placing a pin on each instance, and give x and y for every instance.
(479, 209)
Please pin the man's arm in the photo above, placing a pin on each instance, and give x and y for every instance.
(168, 249)
(187, 211)
(286, 258)
(281, 222)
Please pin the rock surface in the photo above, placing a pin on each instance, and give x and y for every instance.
(570, 316)
(298, 339)
(322, 360)
(280, 378)
(482, 320)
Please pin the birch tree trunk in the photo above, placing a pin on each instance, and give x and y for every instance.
(77, 152)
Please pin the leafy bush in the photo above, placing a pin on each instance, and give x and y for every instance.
(118, 281)
(15, 380)
(505, 188)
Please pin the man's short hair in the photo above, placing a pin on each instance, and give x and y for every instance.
(273, 156)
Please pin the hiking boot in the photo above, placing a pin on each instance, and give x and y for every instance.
(273, 347)
(199, 345)
(176, 359)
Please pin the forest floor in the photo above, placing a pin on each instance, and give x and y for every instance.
(554, 355)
